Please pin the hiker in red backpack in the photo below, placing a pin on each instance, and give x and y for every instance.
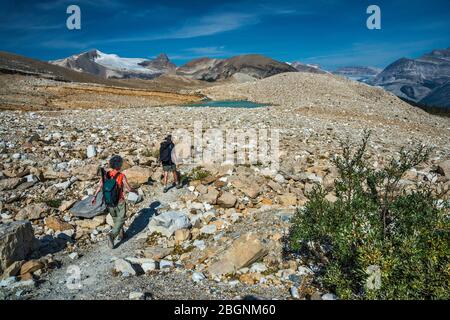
(111, 184)
(165, 157)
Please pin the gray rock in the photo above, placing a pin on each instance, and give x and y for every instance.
(198, 277)
(86, 209)
(134, 197)
(165, 264)
(329, 296)
(168, 222)
(17, 241)
(124, 267)
(136, 296)
(209, 229)
(294, 293)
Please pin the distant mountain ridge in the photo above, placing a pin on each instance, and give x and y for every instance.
(358, 73)
(423, 80)
(206, 69)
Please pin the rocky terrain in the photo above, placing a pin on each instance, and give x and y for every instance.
(423, 80)
(223, 235)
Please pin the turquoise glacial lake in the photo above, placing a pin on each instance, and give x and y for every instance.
(228, 104)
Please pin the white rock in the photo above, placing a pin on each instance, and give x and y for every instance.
(136, 296)
(294, 293)
(200, 244)
(258, 267)
(329, 296)
(124, 267)
(279, 178)
(91, 151)
(148, 266)
(198, 277)
(165, 264)
(209, 229)
(168, 222)
(134, 197)
(73, 255)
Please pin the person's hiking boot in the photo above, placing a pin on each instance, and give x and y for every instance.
(179, 185)
(166, 188)
(110, 241)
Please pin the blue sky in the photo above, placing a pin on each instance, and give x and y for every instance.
(331, 33)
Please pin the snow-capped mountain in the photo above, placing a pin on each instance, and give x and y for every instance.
(358, 73)
(310, 68)
(112, 66)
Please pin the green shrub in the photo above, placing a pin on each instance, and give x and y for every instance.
(151, 153)
(378, 240)
(198, 173)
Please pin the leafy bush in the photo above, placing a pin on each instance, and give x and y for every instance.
(378, 240)
(198, 173)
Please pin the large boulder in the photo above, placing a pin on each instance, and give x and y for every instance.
(9, 184)
(17, 241)
(86, 209)
(57, 224)
(33, 212)
(444, 168)
(169, 222)
(242, 253)
(87, 172)
(137, 176)
(249, 188)
(227, 200)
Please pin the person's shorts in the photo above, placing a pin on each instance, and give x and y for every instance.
(169, 168)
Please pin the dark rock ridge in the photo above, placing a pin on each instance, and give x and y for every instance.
(253, 65)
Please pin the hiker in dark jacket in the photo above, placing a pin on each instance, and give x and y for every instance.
(112, 184)
(165, 157)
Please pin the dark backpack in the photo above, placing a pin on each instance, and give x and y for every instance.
(165, 152)
(111, 189)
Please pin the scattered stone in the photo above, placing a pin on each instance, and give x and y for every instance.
(227, 200)
(138, 176)
(9, 184)
(136, 296)
(329, 296)
(66, 205)
(198, 277)
(294, 293)
(134, 198)
(168, 222)
(91, 151)
(209, 229)
(165, 264)
(57, 224)
(16, 242)
(182, 235)
(157, 253)
(33, 212)
(288, 199)
(242, 253)
(74, 255)
(444, 168)
(124, 267)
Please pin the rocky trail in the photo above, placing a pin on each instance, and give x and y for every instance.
(96, 278)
